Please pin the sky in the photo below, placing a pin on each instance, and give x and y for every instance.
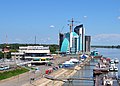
(23, 20)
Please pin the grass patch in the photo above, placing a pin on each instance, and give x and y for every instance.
(8, 74)
(30, 68)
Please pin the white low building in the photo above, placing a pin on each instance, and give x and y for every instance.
(33, 53)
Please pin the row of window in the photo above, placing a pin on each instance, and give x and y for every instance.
(41, 59)
(36, 54)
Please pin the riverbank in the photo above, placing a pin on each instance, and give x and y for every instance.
(59, 74)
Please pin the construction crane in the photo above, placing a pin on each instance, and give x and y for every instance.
(71, 25)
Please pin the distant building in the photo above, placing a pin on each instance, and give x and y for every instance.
(74, 41)
(74, 47)
(80, 31)
(33, 53)
(60, 39)
(6, 49)
(87, 43)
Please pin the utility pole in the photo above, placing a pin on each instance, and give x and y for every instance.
(35, 40)
(5, 48)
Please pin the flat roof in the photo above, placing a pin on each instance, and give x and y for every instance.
(34, 48)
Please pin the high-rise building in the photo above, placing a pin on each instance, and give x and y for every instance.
(61, 37)
(74, 41)
(77, 29)
(80, 31)
(74, 47)
(87, 43)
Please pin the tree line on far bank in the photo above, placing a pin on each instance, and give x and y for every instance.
(15, 47)
(113, 46)
(53, 48)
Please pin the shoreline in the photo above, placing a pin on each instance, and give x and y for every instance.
(61, 73)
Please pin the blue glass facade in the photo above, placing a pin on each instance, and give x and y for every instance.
(65, 45)
(74, 42)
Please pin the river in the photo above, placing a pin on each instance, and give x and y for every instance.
(87, 71)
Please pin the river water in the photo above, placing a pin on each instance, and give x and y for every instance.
(87, 71)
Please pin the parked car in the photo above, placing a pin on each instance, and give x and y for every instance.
(6, 67)
(1, 68)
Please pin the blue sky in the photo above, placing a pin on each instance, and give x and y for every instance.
(22, 20)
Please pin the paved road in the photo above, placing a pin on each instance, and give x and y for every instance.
(25, 78)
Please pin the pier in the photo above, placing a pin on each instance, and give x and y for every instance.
(68, 79)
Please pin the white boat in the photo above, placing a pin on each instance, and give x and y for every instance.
(111, 68)
(115, 68)
(116, 60)
(108, 82)
(82, 59)
(112, 65)
(112, 61)
(74, 60)
(68, 64)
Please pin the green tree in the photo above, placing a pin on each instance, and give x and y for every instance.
(1, 55)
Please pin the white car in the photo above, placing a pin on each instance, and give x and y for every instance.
(6, 67)
(1, 68)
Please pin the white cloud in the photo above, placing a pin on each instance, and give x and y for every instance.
(52, 26)
(119, 17)
(85, 16)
